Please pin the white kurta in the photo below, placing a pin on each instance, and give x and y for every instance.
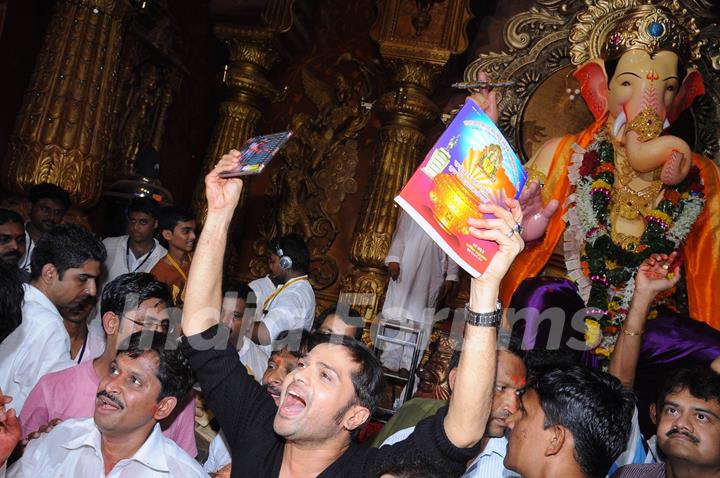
(38, 346)
(413, 296)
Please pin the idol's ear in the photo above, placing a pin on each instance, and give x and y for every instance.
(692, 87)
(594, 86)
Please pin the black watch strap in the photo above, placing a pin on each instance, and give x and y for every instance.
(484, 319)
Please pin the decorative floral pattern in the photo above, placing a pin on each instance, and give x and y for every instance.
(604, 271)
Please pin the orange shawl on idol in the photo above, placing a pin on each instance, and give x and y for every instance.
(700, 253)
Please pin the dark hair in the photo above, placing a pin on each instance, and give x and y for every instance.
(241, 288)
(700, 381)
(540, 361)
(11, 299)
(144, 204)
(170, 216)
(506, 342)
(350, 316)
(414, 466)
(297, 342)
(368, 380)
(66, 246)
(49, 191)
(173, 372)
(611, 68)
(293, 246)
(141, 284)
(8, 216)
(594, 407)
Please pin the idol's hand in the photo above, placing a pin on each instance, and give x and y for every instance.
(536, 216)
(486, 99)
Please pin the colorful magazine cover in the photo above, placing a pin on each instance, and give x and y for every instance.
(471, 163)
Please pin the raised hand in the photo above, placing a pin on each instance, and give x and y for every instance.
(658, 273)
(223, 194)
(536, 216)
(503, 230)
(486, 99)
(9, 429)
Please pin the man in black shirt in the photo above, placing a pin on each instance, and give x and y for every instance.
(335, 388)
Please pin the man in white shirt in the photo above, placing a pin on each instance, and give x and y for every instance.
(421, 276)
(49, 203)
(123, 439)
(65, 267)
(290, 306)
(138, 250)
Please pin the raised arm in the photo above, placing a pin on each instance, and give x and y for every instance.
(203, 294)
(471, 400)
(653, 276)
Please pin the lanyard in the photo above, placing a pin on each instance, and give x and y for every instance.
(82, 350)
(271, 297)
(28, 250)
(177, 267)
(127, 255)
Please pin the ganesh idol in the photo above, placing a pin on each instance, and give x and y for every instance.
(624, 188)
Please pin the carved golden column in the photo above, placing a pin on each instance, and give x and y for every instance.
(62, 131)
(252, 53)
(416, 52)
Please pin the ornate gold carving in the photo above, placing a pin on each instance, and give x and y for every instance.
(318, 172)
(647, 124)
(538, 46)
(433, 374)
(442, 36)
(246, 88)
(62, 130)
(608, 28)
(363, 290)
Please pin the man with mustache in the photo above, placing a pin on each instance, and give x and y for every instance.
(509, 378)
(177, 228)
(12, 237)
(336, 386)
(65, 267)
(688, 428)
(130, 303)
(49, 203)
(143, 385)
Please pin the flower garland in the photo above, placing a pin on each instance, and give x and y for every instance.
(609, 270)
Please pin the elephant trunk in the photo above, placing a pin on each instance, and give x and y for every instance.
(647, 150)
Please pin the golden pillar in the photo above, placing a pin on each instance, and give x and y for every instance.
(62, 131)
(416, 51)
(246, 88)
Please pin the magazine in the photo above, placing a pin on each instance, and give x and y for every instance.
(472, 163)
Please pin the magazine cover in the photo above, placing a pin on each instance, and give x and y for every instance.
(471, 163)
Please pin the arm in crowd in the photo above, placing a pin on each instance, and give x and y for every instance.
(235, 398)
(471, 401)
(653, 277)
(9, 432)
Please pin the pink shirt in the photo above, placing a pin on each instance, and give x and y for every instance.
(71, 393)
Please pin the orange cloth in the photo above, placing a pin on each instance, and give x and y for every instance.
(167, 274)
(701, 252)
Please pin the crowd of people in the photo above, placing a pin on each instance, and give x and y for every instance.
(108, 346)
(116, 354)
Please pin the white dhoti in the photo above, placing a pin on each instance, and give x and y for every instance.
(412, 298)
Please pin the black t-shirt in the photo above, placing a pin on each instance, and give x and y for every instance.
(246, 412)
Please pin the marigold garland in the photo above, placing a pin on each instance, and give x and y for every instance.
(610, 268)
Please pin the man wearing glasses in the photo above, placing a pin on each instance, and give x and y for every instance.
(130, 303)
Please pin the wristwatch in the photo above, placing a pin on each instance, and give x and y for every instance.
(484, 319)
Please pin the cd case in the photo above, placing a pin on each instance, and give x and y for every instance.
(257, 152)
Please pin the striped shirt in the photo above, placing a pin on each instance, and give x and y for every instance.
(651, 470)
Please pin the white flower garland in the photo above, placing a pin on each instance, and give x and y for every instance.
(582, 224)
